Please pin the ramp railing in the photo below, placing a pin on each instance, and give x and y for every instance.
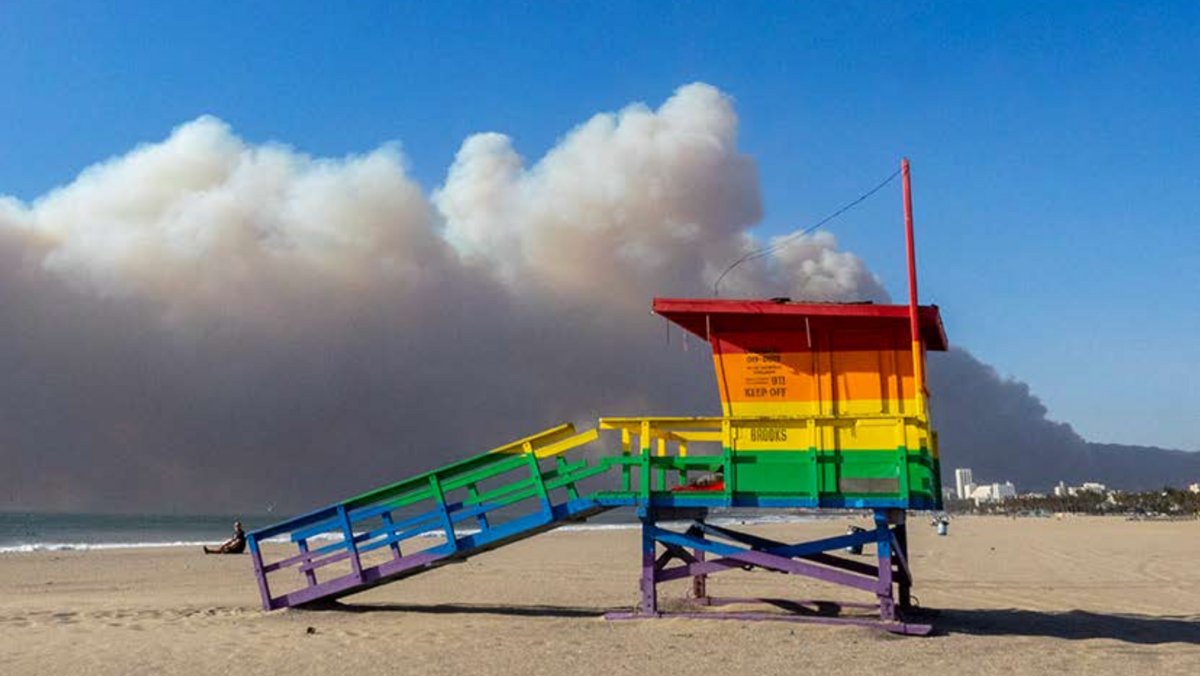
(529, 486)
(508, 493)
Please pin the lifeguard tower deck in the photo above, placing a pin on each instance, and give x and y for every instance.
(823, 407)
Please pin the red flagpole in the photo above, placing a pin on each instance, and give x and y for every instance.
(914, 322)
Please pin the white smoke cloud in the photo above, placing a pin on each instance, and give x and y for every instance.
(640, 199)
(205, 225)
(628, 203)
(204, 323)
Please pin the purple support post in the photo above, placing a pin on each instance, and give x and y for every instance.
(883, 550)
(700, 582)
(649, 604)
(900, 557)
(256, 557)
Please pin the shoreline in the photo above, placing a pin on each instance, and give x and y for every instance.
(916, 518)
(28, 548)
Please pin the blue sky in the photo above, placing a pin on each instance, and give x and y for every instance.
(1054, 144)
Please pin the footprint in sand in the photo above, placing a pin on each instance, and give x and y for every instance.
(18, 621)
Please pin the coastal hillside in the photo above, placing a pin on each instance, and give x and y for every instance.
(999, 429)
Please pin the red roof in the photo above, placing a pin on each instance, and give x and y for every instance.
(702, 316)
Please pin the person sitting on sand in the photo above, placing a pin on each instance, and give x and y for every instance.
(234, 545)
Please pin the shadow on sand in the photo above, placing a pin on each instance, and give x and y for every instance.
(1072, 625)
(460, 609)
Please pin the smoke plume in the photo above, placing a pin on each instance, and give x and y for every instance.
(205, 324)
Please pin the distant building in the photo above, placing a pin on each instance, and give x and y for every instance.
(993, 492)
(1194, 488)
(963, 483)
(1063, 490)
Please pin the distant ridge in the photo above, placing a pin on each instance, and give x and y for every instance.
(1143, 467)
(999, 429)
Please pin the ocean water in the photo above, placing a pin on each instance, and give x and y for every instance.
(27, 532)
(32, 532)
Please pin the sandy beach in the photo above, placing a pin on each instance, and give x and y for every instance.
(1028, 596)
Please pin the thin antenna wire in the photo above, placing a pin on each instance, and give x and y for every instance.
(779, 244)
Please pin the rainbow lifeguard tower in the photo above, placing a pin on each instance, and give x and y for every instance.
(824, 407)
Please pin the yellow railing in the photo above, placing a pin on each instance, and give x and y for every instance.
(727, 430)
(885, 433)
